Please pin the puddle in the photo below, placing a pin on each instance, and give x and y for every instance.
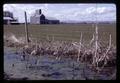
(46, 68)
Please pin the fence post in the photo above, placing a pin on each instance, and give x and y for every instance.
(26, 29)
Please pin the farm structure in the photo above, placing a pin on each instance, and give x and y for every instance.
(39, 18)
(9, 18)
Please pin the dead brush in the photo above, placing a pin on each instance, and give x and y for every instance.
(94, 53)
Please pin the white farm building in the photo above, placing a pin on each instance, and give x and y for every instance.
(9, 19)
(39, 18)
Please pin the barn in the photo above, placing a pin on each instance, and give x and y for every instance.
(9, 19)
(39, 18)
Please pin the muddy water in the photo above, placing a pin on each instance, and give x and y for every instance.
(46, 68)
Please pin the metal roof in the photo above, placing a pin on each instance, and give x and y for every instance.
(51, 18)
(7, 18)
(14, 21)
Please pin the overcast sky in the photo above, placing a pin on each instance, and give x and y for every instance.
(65, 12)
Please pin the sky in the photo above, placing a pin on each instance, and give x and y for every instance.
(65, 12)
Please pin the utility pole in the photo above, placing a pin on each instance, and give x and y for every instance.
(26, 29)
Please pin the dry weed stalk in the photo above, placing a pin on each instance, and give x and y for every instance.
(79, 50)
(92, 40)
(105, 56)
(96, 46)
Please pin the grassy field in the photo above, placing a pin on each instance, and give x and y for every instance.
(68, 32)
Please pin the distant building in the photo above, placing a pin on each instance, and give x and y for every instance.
(9, 19)
(39, 18)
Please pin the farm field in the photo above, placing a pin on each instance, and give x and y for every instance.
(48, 66)
(67, 32)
